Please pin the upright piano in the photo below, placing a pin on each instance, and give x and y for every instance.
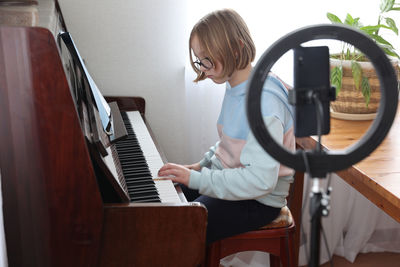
(76, 193)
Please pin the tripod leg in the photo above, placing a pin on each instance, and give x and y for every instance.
(316, 213)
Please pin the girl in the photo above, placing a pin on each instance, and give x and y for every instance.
(242, 187)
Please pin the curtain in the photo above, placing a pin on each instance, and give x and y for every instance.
(3, 248)
(354, 225)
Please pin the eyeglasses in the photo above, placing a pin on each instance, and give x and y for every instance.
(205, 62)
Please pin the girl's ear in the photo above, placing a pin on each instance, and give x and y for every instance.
(241, 43)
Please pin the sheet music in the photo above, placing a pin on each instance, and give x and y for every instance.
(102, 105)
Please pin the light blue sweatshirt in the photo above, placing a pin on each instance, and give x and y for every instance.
(237, 167)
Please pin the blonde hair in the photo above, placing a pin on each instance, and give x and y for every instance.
(225, 37)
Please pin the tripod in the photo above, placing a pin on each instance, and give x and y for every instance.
(319, 164)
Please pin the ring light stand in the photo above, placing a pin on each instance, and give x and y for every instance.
(319, 163)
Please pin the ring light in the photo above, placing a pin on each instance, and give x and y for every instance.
(322, 163)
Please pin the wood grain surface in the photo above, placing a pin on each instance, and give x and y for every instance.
(377, 177)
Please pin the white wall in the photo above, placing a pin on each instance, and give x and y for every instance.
(139, 48)
(136, 48)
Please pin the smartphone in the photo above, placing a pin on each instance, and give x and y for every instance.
(311, 74)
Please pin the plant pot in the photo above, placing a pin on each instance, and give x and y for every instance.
(351, 100)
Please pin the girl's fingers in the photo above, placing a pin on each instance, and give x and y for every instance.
(168, 166)
(175, 173)
(168, 172)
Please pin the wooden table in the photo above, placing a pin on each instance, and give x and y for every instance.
(377, 177)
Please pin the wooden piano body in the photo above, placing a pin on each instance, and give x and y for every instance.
(54, 212)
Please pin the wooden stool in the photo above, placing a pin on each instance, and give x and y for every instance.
(279, 238)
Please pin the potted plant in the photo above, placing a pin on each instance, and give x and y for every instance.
(357, 86)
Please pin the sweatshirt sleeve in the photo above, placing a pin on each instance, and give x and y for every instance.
(257, 178)
(207, 156)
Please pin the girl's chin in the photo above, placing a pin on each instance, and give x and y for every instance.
(217, 81)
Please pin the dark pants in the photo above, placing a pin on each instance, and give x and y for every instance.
(228, 218)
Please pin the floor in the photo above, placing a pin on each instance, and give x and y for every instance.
(368, 260)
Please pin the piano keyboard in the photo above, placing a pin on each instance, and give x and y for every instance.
(140, 162)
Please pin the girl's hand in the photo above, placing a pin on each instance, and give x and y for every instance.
(176, 173)
(195, 166)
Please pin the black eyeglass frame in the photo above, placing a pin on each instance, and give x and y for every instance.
(199, 62)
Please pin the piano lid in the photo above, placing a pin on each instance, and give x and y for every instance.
(44, 160)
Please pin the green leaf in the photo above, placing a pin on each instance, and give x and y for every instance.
(357, 73)
(386, 27)
(390, 52)
(336, 78)
(392, 24)
(371, 29)
(349, 20)
(386, 5)
(354, 22)
(333, 18)
(348, 54)
(380, 40)
(358, 56)
(366, 90)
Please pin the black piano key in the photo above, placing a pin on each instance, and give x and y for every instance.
(144, 173)
(135, 165)
(134, 178)
(138, 172)
(129, 148)
(131, 155)
(131, 169)
(151, 200)
(139, 167)
(145, 199)
(140, 184)
(126, 154)
(144, 192)
(138, 181)
(128, 142)
(144, 195)
(137, 177)
(134, 162)
(139, 187)
(133, 158)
